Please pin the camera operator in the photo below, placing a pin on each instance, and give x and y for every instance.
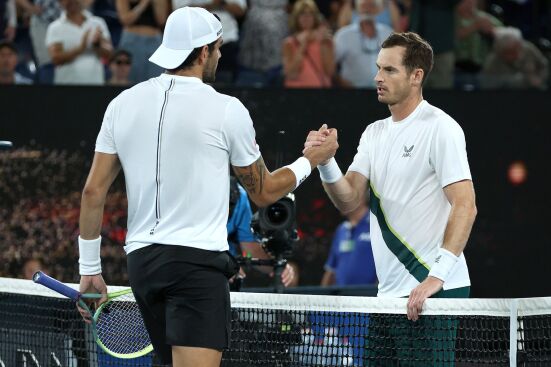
(242, 241)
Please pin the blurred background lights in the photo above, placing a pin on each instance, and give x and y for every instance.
(517, 173)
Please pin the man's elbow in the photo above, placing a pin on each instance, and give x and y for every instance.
(93, 195)
(265, 200)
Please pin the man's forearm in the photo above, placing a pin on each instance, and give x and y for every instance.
(343, 195)
(91, 215)
(458, 229)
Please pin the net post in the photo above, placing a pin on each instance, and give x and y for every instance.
(513, 333)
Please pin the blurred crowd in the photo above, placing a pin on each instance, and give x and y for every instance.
(39, 212)
(40, 192)
(291, 43)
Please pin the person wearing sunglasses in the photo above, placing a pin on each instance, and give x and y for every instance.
(119, 66)
(356, 49)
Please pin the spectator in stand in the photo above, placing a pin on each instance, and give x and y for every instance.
(8, 20)
(514, 62)
(119, 65)
(30, 267)
(385, 11)
(8, 62)
(143, 22)
(229, 12)
(77, 41)
(475, 33)
(263, 32)
(308, 58)
(350, 259)
(434, 21)
(330, 9)
(42, 12)
(356, 49)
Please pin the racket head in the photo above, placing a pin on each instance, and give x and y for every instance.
(119, 329)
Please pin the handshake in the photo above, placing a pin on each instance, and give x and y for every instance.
(320, 146)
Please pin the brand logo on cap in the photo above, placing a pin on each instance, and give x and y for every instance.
(219, 32)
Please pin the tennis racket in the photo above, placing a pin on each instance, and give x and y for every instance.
(117, 324)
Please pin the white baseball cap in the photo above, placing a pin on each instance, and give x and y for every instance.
(186, 29)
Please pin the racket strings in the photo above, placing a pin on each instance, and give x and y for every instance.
(120, 327)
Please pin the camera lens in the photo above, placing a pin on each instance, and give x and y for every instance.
(277, 214)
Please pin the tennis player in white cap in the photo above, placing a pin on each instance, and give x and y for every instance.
(175, 138)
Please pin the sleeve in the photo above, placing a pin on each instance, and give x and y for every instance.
(104, 29)
(11, 12)
(240, 135)
(339, 46)
(53, 35)
(245, 214)
(332, 260)
(361, 163)
(105, 143)
(448, 153)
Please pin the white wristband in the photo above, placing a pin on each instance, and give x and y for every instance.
(301, 168)
(330, 173)
(89, 251)
(443, 264)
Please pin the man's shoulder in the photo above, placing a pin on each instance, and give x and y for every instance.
(56, 24)
(376, 126)
(346, 31)
(438, 117)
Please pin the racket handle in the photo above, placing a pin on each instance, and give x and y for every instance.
(55, 285)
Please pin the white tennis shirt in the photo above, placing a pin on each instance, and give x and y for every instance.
(175, 137)
(408, 163)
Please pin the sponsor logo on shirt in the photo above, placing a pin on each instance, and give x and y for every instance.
(407, 151)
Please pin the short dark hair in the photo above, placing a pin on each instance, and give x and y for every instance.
(418, 53)
(7, 44)
(194, 55)
(119, 52)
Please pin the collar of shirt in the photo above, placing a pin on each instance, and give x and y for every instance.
(182, 79)
(87, 15)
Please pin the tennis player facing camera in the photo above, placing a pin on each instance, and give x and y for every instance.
(175, 137)
(421, 193)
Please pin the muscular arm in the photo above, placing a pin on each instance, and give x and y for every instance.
(347, 192)
(105, 169)
(265, 187)
(460, 221)
(462, 215)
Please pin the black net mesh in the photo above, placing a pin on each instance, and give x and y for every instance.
(37, 331)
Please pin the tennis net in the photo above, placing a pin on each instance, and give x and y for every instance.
(39, 328)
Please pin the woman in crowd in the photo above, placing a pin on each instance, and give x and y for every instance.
(308, 57)
(143, 21)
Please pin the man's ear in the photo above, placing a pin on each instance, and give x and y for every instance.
(417, 77)
(204, 55)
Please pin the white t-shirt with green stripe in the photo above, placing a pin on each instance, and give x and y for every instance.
(408, 163)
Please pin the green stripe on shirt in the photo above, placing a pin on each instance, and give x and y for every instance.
(395, 243)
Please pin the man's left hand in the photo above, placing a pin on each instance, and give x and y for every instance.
(419, 294)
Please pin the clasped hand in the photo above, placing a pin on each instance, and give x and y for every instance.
(321, 145)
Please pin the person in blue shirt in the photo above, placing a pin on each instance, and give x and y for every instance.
(350, 259)
(241, 239)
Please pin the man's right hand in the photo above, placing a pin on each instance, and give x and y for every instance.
(317, 138)
(92, 284)
(321, 145)
(84, 42)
